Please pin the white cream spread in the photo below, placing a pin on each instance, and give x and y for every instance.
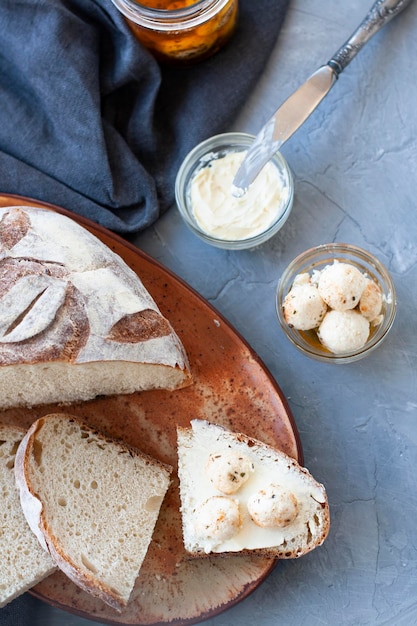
(220, 214)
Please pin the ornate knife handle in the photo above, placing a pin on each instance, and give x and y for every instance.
(381, 12)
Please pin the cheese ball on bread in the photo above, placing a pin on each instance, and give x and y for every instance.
(217, 519)
(273, 506)
(228, 470)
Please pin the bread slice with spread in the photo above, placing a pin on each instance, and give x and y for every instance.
(91, 501)
(75, 321)
(23, 561)
(239, 495)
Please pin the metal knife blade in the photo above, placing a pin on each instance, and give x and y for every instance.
(301, 104)
(282, 125)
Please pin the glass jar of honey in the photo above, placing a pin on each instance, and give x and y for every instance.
(181, 31)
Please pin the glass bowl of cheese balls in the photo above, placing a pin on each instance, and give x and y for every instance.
(336, 302)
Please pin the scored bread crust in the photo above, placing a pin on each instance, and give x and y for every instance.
(23, 562)
(114, 518)
(75, 319)
(271, 466)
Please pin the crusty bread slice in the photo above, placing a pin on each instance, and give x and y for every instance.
(75, 321)
(92, 501)
(23, 562)
(239, 495)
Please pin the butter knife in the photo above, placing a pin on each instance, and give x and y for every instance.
(301, 104)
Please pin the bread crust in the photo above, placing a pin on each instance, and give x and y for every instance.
(36, 512)
(19, 572)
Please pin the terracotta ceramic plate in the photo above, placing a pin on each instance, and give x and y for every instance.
(231, 387)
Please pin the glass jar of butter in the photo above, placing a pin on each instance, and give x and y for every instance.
(181, 31)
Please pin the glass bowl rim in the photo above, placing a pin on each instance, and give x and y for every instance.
(164, 19)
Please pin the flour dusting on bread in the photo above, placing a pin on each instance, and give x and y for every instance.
(75, 321)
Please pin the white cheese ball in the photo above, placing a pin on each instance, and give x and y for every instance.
(303, 306)
(341, 286)
(343, 331)
(370, 304)
(217, 518)
(273, 507)
(228, 470)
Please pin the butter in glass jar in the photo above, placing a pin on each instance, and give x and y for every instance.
(181, 31)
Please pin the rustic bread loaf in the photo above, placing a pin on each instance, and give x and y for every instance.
(92, 502)
(239, 495)
(23, 562)
(75, 321)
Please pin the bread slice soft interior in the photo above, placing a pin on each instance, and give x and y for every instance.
(92, 501)
(35, 384)
(273, 507)
(24, 563)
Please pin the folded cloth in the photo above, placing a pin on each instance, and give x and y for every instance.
(19, 612)
(91, 122)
